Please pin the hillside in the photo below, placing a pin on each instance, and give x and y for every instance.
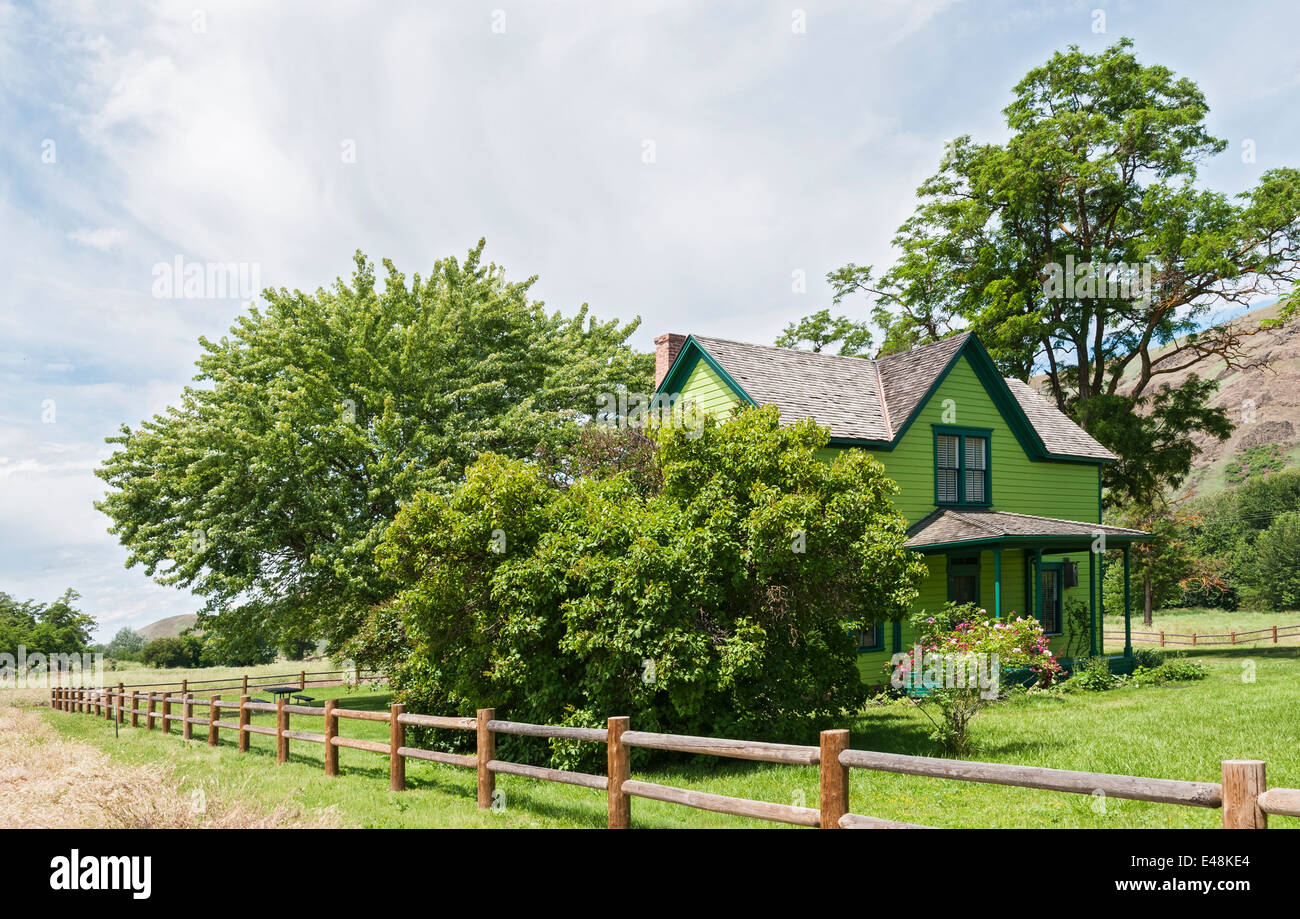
(169, 627)
(1262, 397)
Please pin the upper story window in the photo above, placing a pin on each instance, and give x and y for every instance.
(962, 473)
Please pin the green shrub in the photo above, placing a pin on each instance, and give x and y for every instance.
(168, 652)
(1093, 674)
(722, 601)
(1176, 669)
(1148, 657)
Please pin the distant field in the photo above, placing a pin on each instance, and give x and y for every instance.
(199, 678)
(1202, 622)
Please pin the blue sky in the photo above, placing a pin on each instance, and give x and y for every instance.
(134, 134)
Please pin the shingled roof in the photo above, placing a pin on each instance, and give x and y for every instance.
(873, 400)
(944, 527)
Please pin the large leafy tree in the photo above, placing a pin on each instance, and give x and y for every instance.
(719, 595)
(269, 486)
(50, 628)
(1099, 172)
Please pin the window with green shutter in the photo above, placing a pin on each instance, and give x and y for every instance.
(962, 471)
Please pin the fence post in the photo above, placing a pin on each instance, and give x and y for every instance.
(396, 740)
(214, 712)
(148, 719)
(302, 679)
(98, 701)
(487, 750)
(833, 797)
(281, 725)
(617, 765)
(166, 710)
(185, 687)
(1274, 634)
(1234, 638)
(331, 729)
(244, 714)
(121, 703)
(135, 709)
(1193, 639)
(1162, 638)
(1243, 783)
(244, 687)
(187, 712)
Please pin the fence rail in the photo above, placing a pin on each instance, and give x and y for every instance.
(1243, 795)
(1210, 639)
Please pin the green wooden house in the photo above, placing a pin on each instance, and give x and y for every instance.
(1002, 490)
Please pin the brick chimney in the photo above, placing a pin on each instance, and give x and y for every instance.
(667, 347)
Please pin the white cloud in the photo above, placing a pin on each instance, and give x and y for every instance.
(103, 238)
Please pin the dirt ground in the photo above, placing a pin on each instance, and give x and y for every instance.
(49, 782)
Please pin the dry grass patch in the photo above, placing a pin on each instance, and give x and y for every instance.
(49, 782)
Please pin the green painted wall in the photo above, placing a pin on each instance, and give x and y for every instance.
(1020, 485)
(709, 390)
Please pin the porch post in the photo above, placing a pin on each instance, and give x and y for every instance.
(1092, 604)
(997, 582)
(1128, 628)
(1038, 583)
(1101, 603)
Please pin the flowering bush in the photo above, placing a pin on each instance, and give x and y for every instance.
(958, 661)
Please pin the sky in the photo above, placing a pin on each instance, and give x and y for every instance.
(682, 162)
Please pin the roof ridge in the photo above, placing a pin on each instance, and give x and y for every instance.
(819, 354)
(884, 403)
(1109, 526)
(947, 339)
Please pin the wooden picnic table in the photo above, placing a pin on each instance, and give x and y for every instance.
(280, 690)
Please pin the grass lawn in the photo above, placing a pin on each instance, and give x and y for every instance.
(1202, 622)
(1179, 732)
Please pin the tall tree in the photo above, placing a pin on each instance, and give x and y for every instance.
(50, 628)
(1098, 177)
(271, 483)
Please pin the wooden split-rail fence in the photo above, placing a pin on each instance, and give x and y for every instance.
(1209, 639)
(1242, 795)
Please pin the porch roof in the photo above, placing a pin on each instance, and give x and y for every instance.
(947, 528)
